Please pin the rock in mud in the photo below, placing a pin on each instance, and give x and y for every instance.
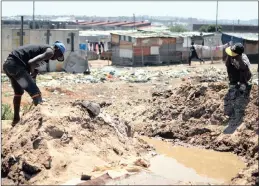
(55, 132)
(85, 177)
(66, 138)
(30, 169)
(198, 131)
(142, 163)
(93, 108)
(105, 104)
(36, 143)
(117, 151)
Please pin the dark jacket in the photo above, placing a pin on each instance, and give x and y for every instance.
(238, 69)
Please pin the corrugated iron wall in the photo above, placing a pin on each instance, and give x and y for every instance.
(127, 51)
(251, 50)
(121, 51)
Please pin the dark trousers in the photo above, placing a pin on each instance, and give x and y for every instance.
(235, 75)
(20, 78)
(194, 55)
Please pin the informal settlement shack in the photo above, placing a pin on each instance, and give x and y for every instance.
(139, 48)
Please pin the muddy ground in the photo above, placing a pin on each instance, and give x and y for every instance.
(58, 140)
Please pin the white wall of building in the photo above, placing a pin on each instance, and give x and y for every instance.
(10, 41)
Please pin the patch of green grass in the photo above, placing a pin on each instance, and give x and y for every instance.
(7, 113)
(7, 94)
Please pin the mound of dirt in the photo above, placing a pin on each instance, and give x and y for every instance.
(54, 143)
(199, 117)
(202, 115)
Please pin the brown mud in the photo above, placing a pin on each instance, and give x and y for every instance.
(50, 144)
(193, 115)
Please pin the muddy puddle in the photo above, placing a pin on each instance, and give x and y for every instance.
(193, 164)
(176, 165)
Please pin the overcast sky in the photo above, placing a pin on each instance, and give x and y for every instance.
(242, 10)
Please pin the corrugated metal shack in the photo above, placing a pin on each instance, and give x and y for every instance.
(249, 40)
(90, 37)
(145, 48)
(153, 47)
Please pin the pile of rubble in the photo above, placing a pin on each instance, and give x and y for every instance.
(55, 140)
(106, 74)
(210, 74)
(128, 75)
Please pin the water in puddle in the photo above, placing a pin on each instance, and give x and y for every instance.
(193, 164)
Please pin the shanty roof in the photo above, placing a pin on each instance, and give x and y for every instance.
(148, 34)
(153, 28)
(138, 34)
(137, 24)
(100, 32)
(114, 23)
(120, 23)
(89, 22)
(101, 23)
(246, 36)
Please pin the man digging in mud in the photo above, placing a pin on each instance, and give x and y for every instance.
(238, 67)
(20, 66)
(239, 74)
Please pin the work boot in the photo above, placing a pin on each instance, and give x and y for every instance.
(16, 120)
(16, 105)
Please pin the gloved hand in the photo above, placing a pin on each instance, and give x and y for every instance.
(231, 86)
(242, 87)
(37, 100)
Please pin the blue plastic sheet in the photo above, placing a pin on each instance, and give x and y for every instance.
(82, 46)
(225, 38)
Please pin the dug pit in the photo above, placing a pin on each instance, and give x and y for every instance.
(194, 115)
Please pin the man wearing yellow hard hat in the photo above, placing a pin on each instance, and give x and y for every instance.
(238, 67)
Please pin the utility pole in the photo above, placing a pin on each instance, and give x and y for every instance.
(33, 16)
(21, 32)
(217, 17)
(134, 20)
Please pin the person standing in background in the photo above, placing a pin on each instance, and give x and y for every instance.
(193, 54)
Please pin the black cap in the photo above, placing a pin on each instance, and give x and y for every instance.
(238, 48)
